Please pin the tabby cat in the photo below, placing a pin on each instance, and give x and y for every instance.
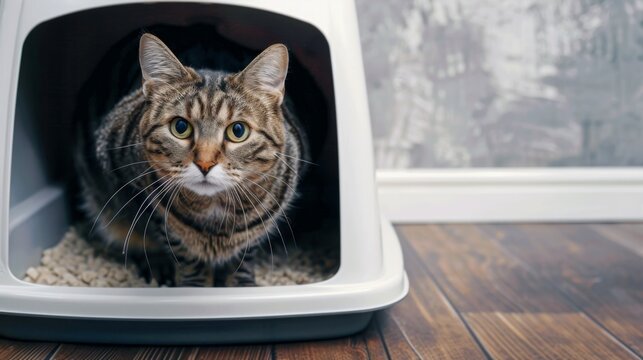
(195, 168)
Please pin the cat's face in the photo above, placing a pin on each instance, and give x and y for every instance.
(209, 131)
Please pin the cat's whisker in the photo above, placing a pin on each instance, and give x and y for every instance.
(296, 158)
(136, 216)
(225, 211)
(160, 189)
(234, 218)
(270, 216)
(272, 176)
(287, 165)
(124, 166)
(117, 191)
(280, 208)
(167, 210)
(245, 191)
(125, 146)
(132, 198)
(245, 219)
(140, 162)
(168, 191)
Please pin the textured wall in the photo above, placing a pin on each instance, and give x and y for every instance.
(476, 83)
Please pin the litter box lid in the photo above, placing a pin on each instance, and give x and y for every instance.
(333, 296)
(371, 274)
(361, 256)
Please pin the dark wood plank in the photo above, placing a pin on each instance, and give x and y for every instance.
(544, 336)
(424, 324)
(12, 349)
(166, 353)
(352, 347)
(398, 346)
(475, 274)
(249, 352)
(599, 276)
(78, 351)
(374, 342)
(498, 294)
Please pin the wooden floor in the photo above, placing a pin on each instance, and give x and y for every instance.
(477, 292)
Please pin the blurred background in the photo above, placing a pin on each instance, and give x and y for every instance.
(504, 83)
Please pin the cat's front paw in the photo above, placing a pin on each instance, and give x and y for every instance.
(236, 274)
(240, 279)
(194, 275)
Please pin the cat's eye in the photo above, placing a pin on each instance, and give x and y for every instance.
(237, 132)
(181, 128)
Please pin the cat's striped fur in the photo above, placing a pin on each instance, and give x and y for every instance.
(140, 188)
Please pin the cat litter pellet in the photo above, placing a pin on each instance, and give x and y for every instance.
(68, 263)
(73, 262)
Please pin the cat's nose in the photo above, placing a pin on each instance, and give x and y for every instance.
(204, 166)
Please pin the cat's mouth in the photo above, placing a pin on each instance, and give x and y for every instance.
(205, 187)
(214, 182)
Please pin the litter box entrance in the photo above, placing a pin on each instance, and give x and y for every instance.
(78, 66)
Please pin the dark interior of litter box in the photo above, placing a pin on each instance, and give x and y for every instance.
(79, 65)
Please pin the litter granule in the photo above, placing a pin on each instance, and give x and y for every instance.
(74, 262)
(298, 266)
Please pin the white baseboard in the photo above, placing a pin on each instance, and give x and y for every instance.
(511, 195)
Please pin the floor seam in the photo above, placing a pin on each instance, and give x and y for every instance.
(450, 303)
(382, 339)
(53, 352)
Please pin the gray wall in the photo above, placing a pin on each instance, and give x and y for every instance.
(479, 83)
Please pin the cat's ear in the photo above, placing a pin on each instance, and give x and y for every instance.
(158, 64)
(267, 72)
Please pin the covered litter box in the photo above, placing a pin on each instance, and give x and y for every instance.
(53, 54)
